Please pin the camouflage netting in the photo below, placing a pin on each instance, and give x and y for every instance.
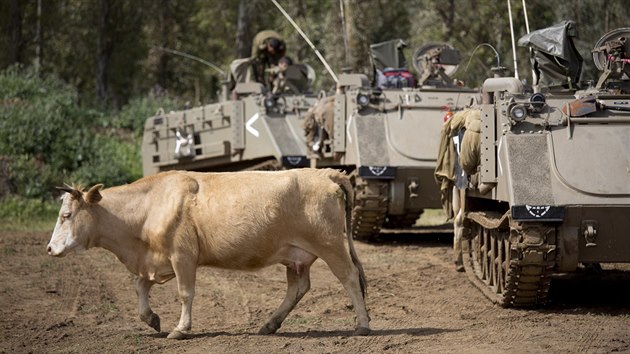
(469, 154)
(320, 115)
(241, 70)
(469, 119)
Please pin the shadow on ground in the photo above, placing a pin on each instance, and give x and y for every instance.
(322, 334)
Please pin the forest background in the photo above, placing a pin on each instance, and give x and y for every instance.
(79, 77)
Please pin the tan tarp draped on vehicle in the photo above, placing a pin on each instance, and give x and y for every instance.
(241, 70)
(469, 154)
(321, 114)
(445, 168)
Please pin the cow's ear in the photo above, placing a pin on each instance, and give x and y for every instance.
(93, 196)
(74, 192)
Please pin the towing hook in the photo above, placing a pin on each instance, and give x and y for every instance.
(590, 234)
(413, 189)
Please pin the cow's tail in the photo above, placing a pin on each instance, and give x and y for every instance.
(344, 182)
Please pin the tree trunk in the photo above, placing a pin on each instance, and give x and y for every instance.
(353, 39)
(16, 46)
(104, 47)
(37, 63)
(447, 14)
(344, 29)
(163, 59)
(242, 45)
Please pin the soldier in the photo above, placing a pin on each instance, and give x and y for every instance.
(267, 49)
(277, 75)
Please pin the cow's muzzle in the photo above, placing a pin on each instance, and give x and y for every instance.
(54, 252)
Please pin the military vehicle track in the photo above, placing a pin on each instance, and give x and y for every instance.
(268, 165)
(370, 207)
(511, 266)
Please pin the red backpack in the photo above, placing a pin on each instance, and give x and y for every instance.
(398, 78)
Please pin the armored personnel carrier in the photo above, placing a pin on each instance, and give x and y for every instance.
(545, 189)
(386, 133)
(254, 128)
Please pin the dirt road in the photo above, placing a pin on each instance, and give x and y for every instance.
(86, 304)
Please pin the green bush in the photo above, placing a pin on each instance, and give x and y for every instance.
(49, 139)
(42, 130)
(32, 178)
(133, 115)
(18, 213)
(35, 112)
(111, 162)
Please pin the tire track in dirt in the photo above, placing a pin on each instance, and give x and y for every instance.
(54, 296)
(52, 292)
(432, 275)
(239, 294)
(591, 334)
(409, 299)
(417, 302)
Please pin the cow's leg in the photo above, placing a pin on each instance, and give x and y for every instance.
(348, 274)
(185, 272)
(143, 287)
(298, 284)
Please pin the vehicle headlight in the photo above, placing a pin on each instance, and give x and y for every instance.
(269, 102)
(537, 102)
(518, 113)
(363, 99)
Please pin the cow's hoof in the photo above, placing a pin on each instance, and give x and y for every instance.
(154, 322)
(268, 329)
(177, 335)
(362, 331)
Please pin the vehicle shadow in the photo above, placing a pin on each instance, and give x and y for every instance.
(604, 292)
(415, 236)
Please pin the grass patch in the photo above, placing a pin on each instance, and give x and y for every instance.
(432, 217)
(23, 214)
(9, 251)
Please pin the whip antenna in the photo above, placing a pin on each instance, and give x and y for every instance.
(525, 14)
(513, 43)
(297, 28)
(534, 76)
(477, 47)
(189, 56)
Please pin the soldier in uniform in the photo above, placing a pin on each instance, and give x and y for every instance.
(267, 49)
(277, 75)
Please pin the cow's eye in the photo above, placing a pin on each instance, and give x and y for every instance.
(65, 216)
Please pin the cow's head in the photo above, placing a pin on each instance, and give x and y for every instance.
(75, 221)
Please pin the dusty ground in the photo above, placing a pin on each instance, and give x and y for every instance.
(418, 303)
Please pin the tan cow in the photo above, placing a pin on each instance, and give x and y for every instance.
(165, 226)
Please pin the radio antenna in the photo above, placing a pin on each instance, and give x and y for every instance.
(297, 28)
(192, 57)
(513, 43)
(534, 76)
(525, 14)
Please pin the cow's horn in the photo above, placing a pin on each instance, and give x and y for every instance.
(65, 188)
(76, 194)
